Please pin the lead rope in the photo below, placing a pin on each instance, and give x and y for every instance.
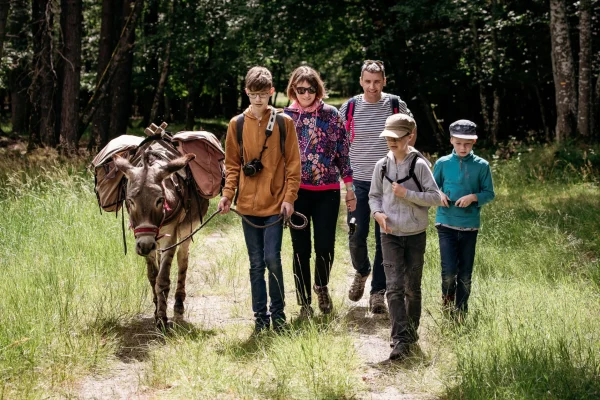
(286, 223)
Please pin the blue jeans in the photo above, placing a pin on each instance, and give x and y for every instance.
(359, 252)
(403, 258)
(264, 250)
(457, 251)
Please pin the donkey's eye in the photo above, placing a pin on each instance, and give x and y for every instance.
(160, 201)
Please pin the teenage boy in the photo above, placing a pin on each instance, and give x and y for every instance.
(465, 181)
(263, 194)
(364, 116)
(402, 190)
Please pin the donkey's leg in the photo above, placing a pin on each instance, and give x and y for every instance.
(182, 262)
(163, 284)
(152, 272)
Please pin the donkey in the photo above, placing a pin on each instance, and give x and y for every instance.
(161, 209)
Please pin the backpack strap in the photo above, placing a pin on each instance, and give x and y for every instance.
(282, 131)
(411, 174)
(395, 103)
(239, 128)
(350, 117)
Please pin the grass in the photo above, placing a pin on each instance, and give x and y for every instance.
(72, 302)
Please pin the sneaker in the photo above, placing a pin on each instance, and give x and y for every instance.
(358, 287)
(325, 304)
(400, 352)
(377, 302)
(306, 312)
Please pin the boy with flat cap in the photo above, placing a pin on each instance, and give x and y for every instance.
(402, 190)
(465, 181)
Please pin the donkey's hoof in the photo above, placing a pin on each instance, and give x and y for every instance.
(178, 308)
(163, 324)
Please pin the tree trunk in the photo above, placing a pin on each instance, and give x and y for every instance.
(101, 121)
(42, 88)
(71, 23)
(540, 100)
(18, 74)
(190, 113)
(102, 86)
(585, 71)
(562, 67)
(121, 86)
(596, 114)
(496, 78)
(152, 66)
(485, 115)
(165, 68)
(4, 7)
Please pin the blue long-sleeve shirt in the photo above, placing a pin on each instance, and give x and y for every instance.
(458, 177)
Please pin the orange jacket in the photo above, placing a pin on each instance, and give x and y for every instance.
(261, 195)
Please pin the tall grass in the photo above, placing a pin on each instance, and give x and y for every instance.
(71, 300)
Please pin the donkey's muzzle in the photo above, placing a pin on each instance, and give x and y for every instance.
(144, 245)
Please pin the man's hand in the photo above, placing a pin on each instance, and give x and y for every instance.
(399, 190)
(224, 205)
(287, 209)
(445, 199)
(381, 220)
(351, 200)
(466, 201)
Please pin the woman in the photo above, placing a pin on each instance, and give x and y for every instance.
(324, 153)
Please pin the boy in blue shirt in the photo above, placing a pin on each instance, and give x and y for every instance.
(465, 182)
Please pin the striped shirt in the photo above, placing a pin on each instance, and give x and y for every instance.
(369, 121)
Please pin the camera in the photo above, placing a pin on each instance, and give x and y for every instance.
(351, 226)
(253, 167)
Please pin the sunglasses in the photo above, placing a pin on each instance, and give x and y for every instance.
(369, 62)
(302, 90)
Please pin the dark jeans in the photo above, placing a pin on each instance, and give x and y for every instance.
(457, 251)
(264, 250)
(321, 208)
(359, 252)
(403, 259)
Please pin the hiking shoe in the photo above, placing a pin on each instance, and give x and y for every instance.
(325, 304)
(377, 302)
(306, 312)
(358, 287)
(400, 352)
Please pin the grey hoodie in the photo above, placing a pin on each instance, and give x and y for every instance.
(407, 216)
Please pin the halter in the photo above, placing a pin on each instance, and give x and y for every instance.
(153, 229)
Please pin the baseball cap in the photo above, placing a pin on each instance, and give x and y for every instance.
(398, 126)
(463, 129)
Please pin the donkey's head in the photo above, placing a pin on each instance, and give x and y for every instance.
(146, 197)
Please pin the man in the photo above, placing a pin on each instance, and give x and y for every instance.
(364, 116)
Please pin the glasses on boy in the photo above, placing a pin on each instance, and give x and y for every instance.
(262, 95)
(302, 90)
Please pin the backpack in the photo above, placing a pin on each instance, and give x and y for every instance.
(109, 182)
(395, 103)
(411, 173)
(280, 122)
(208, 168)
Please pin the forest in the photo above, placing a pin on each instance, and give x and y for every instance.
(77, 73)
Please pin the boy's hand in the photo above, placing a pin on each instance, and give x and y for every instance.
(224, 205)
(399, 190)
(466, 201)
(445, 199)
(287, 209)
(380, 218)
(351, 200)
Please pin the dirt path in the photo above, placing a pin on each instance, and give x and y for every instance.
(122, 380)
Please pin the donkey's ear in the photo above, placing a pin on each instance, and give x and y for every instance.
(122, 164)
(175, 165)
